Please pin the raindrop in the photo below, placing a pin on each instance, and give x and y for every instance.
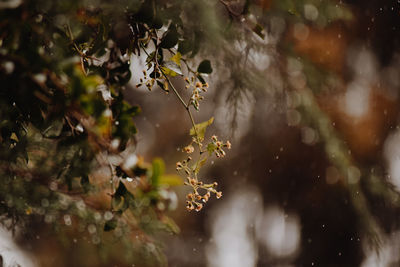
(9, 67)
(115, 142)
(97, 216)
(310, 12)
(92, 229)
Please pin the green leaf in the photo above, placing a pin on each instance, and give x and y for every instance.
(205, 67)
(185, 47)
(170, 39)
(158, 168)
(171, 180)
(201, 128)
(134, 110)
(211, 148)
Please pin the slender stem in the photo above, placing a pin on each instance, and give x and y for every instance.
(186, 106)
(111, 183)
(176, 92)
(229, 9)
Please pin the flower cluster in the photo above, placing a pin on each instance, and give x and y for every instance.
(217, 146)
(149, 82)
(184, 165)
(193, 199)
(198, 87)
(188, 149)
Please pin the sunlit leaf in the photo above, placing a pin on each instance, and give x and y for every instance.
(172, 69)
(201, 128)
(177, 59)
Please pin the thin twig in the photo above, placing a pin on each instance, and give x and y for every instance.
(186, 106)
(229, 9)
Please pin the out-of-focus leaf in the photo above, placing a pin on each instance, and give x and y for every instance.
(170, 224)
(158, 168)
(170, 39)
(85, 183)
(171, 180)
(185, 46)
(110, 225)
(122, 198)
(121, 190)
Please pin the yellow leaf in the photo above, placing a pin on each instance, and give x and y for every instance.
(177, 58)
(201, 129)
